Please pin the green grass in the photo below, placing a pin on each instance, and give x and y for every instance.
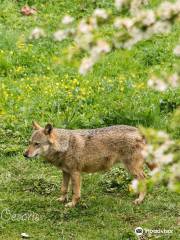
(37, 85)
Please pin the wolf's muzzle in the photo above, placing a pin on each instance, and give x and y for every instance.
(26, 155)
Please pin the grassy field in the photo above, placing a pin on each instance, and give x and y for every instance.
(36, 85)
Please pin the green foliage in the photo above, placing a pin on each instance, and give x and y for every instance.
(115, 180)
(39, 186)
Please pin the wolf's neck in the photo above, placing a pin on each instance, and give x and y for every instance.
(55, 158)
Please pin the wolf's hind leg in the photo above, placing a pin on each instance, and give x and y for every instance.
(135, 167)
(64, 187)
(142, 193)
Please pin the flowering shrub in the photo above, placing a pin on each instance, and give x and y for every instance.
(165, 154)
(141, 25)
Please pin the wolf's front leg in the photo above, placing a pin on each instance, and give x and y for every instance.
(64, 187)
(76, 188)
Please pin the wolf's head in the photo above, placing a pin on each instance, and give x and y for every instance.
(44, 140)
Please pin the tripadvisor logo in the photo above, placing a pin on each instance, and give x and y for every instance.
(138, 231)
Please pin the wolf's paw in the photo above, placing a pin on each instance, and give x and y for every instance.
(62, 199)
(70, 205)
(137, 201)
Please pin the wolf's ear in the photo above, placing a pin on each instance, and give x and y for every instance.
(48, 129)
(36, 126)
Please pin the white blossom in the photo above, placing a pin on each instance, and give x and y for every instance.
(103, 46)
(177, 5)
(147, 150)
(174, 80)
(147, 17)
(134, 185)
(162, 134)
(136, 36)
(60, 35)
(157, 84)
(163, 85)
(85, 28)
(174, 177)
(100, 13)
(100, 47)
(123, 22)
(175, 170)
(160, 155)
(67, 20)
(37, 33)
(161, 27)
(119, 4)
(135, 5)
(176, 51)
(86, 65)
(166, 159)
(83, 40)
(165, 10)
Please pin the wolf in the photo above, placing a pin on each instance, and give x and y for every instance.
(88, 150)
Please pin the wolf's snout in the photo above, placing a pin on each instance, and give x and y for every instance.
(25, 154)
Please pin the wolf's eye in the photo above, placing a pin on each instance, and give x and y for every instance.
(36, 144)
